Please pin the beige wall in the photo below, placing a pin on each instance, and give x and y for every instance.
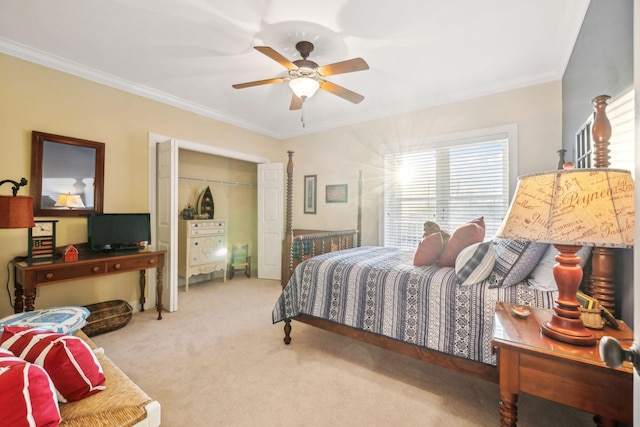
(335, 156)
(38, 98)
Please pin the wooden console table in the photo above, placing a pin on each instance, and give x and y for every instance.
(571, 375)
(30, 275)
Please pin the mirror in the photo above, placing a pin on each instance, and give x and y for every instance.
(67, 175)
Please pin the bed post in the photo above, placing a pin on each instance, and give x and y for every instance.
(359, 223)
(287, 242)
(602, 278)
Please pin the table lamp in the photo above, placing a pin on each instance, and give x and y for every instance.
(16, 211)
(571, 208)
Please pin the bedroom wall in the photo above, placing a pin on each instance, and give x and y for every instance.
(335, 156)
(601, 63)
(39, 98)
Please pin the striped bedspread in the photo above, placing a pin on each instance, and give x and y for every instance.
(378, 289)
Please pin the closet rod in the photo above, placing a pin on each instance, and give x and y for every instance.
(217, 181)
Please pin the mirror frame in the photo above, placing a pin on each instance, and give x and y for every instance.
(38, 160)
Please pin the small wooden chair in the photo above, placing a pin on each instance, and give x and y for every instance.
(240, 260)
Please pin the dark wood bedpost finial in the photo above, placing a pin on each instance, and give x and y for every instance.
(601, 131)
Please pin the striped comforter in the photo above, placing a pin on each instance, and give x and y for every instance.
(378, 289)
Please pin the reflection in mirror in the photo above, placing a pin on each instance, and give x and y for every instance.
(66, 175)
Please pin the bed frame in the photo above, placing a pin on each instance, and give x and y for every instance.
(299, 245)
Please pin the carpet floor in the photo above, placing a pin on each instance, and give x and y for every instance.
(219, 361)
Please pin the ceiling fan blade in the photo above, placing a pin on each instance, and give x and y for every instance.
(296, 103)
(349, 66)
(266, 50)
(341, 92)
(258, 83)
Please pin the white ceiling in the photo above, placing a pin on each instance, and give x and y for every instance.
(188, 53)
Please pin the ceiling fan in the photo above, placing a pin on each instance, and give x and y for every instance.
(306, 77)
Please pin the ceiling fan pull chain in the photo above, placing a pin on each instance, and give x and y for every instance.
(302, 112)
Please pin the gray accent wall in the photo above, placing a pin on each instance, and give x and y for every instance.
(601, 64)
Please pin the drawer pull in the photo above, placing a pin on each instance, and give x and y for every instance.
(49, 276)
(117, 266)
(152, 261)
(95, 269)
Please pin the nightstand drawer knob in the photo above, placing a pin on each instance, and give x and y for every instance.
(117, 266)
(613, 354)
(95, 269)
(152, 261)
(49, 276)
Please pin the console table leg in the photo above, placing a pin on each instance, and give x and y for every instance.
(143, 284)
(508, 409)
(30, 299)
(18, 305)
(159, 292)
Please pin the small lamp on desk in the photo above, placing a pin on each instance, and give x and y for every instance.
(572, 208)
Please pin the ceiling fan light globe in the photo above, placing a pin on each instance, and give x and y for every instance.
(304, 87)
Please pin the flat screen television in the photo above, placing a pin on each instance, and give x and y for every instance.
(118, 231)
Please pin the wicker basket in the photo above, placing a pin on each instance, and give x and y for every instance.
(107, 316)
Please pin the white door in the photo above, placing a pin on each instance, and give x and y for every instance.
(167, 218)
(270, 219)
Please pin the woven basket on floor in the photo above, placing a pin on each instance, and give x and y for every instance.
(107, 316)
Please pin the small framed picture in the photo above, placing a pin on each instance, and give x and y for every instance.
(310, 190)
(337, 193)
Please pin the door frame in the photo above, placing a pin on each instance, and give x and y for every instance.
(154, 140)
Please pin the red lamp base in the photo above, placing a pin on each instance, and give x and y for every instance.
(566, 324)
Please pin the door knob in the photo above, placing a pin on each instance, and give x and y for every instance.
(613, 354)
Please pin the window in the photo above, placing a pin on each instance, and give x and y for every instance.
(621, 114)
(449, 182)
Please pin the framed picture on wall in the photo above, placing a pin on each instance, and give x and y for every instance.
(337, 193)
(310, 190)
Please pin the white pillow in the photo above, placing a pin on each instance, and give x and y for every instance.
(475, 263)
(541, 278)
(63, 320)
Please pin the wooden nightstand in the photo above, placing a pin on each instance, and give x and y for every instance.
(571, 375)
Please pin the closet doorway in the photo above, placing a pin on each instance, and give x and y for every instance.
(165, 208)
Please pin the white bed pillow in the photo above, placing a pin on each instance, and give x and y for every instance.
(475, 263)
(541, 278)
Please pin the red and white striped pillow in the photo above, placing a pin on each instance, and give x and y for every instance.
(70, 363)
(27, 395)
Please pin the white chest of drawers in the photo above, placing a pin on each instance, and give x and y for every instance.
(202, 248)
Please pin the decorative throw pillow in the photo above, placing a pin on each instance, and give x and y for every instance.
(428, 250)
(541, 278)
(63, 320)
(515, 259)
(27, 394)
(463, 236)
(70, 363)
(475, 263)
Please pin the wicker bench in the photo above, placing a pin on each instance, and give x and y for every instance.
(122, 403)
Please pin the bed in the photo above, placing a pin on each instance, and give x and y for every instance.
(377, 295)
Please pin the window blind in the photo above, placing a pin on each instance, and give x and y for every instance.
(449, 184)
